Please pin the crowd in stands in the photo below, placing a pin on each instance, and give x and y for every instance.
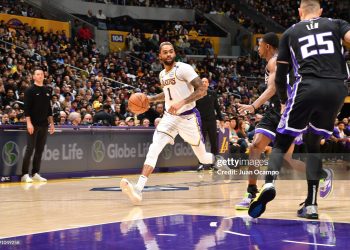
(231, 11)
(79, 96)
(184, 4)
(201, 26)
(187, 41)
(18, 7)
(91, 89)
(212, 7)
(287, 14)
(284, 14)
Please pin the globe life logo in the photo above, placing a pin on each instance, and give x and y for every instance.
(98, 151)
(67, 152)
(10, 153)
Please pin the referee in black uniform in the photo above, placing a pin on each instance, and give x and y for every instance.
(38, 113)
(209, 110)
(313, 47)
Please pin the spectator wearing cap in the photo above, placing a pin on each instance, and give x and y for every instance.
(130, 121)
(103, 116)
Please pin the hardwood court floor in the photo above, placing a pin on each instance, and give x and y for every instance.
(62, 204)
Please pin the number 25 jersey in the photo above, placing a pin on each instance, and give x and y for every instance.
(314, 48)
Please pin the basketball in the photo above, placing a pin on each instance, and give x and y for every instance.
(138, 103)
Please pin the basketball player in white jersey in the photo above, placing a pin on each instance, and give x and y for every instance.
(181, 88)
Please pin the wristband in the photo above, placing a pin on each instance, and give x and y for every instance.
(253, 107)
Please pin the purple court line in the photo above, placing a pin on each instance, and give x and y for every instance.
(308, 243)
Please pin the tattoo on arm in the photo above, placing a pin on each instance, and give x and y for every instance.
(157, 98)
(199, 91)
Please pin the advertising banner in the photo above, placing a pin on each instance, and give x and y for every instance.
(91, 149)
(48, 25)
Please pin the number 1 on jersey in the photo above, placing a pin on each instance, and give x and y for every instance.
(170, 98)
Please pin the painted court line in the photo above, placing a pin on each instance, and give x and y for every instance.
(172, 235)
(229, 232)
(213, 224)
(308, 243)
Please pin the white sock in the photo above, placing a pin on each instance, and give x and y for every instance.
(141, 182)
(268, 185)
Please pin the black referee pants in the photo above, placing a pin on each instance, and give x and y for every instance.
(35, 141)
(209, 127)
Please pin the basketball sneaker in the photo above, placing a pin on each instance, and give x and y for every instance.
(308, 212)
(131, 191)
(326, 184)
(244, 203)
(26, 178)
(258, 205)
(38, 178)
(219, 163)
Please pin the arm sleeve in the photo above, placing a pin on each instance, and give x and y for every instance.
(27, 102)
(185, 72)
(344, 27)
(283, 49)
(281, 81)
(282, 68)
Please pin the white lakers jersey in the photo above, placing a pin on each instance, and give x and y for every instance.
(176, 85)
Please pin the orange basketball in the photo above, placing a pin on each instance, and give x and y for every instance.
(138, 103)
